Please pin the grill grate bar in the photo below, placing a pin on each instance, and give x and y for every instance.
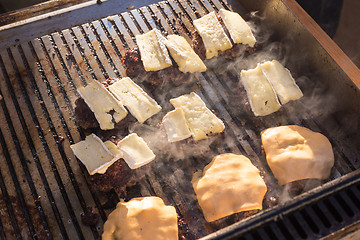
(292, 230)
(43, 66)
(98, 27)
(345, 203)
(179, 18)
(6, 197)
(223, 4)
(86, 53)
(91, 52)
(327, 213)
(312, 221)
(149, 20)
(77, 55)
(95, 198)
(277, 232)
(349, 202)
(189, 14)
(118, 41)
(48, 46)
(303, 223)
(262, 234)
(41, 136)
(161, 12)
(67, 61)
(32, 149)
(59, 75)
(109, 47)
(159, 19)
(2, 231)
(122, 32)
(201, 7)
(96, 46)
(75, 75)
(353, 193)
(141, 19)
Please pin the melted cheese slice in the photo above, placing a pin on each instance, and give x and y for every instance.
(282, 81)
(136, 152)
(143, 218)
(113, 148)
(229, 184)
(176, 126)
(93, 153)
(239, 30)
(153, 52)
(261, 95)
(295, 153)
(184, 55)
(200, 119)
(212, 34)
(101, 102)
(140, 105)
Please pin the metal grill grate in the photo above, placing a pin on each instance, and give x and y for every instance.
(42, 184)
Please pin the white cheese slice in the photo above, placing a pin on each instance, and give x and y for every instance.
(102, 103)
(282, 81)
(184, 55)
(200, 119)
(113, 148)
(136, 152)
(139, 103)
(261, 95)
(176, 126)
(239, 30)
(153, 52)
(93, 153)
(212, 34)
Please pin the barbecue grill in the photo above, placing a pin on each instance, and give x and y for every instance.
(44, 59)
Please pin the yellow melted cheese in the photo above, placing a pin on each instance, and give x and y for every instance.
(229, 184)
(200, 119)
(295, 153)
(144, 218)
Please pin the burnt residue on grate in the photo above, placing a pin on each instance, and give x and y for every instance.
(44, 188)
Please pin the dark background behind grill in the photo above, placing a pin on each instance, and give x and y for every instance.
(43, 185)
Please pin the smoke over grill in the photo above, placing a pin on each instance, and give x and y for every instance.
(44, 187)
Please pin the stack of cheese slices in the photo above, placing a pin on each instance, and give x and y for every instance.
(191, 117)
(265, 84)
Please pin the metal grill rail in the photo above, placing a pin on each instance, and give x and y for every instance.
(43, 186)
